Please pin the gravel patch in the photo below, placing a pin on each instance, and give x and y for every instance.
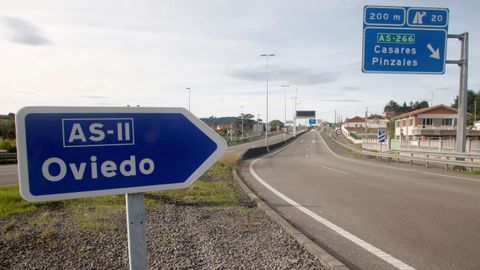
(179, 237)
(234, 238)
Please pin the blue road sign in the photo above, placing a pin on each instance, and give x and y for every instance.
(404, 40)
(312, 122)
(74, 152)
(381, 135)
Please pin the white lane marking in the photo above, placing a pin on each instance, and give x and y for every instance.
(395, 168)
(370, 248)
(331, 169)
(301, 141)
(313, 141)
(306, 156)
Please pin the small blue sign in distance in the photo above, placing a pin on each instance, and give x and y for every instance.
(404, 40)
(381, 135)
(312, 122)
(75, 152)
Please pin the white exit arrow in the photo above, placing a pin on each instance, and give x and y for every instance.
(435, 53)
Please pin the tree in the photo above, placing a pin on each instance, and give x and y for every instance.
(276, 123)
(392, 106)
(471, 97)
(419, 105)
(248, 123)
(7, 128)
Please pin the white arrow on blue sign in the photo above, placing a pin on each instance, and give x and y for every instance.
(75, 152)
(404, 40)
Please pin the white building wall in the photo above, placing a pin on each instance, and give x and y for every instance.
(354, 125)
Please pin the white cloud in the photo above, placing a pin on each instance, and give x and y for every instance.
(24, 32)
(147, 52)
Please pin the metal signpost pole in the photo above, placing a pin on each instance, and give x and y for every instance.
(462, 96)
(137, 240)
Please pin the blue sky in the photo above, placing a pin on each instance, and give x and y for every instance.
(113, 53)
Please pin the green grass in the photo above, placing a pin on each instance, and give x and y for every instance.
(201, 193)
(222, 169)
(11, 203)
(93, 213)
(476, 172)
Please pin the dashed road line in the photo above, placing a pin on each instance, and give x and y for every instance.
(335, 170)
(361, 243)
(395, 168)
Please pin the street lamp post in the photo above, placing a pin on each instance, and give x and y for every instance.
(267, 55)
(242, 121)
(189, 89)
(285, 116)
(295, 113)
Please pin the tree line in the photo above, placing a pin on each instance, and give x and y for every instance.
(394, 107)
(7, 126)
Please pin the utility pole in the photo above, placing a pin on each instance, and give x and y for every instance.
(242, 121)
(285, 116)
(475, 110)
(366, 128)
(188, 89)
(462, 96)
(335, 121)
(267, 55)
(295, 114)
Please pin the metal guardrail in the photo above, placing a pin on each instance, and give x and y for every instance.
(8, 155)
(446, 155)
(448, 160)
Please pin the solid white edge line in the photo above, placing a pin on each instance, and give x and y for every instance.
(396, 168)
(335, 170)
(370, 248)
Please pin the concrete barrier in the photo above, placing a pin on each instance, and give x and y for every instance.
(259, 151)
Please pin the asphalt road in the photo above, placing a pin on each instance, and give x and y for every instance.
(372, 214)
(9, 173)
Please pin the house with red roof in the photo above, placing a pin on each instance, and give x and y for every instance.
(435, 122)
(355, 122)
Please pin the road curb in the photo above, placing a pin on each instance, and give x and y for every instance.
(329, 261)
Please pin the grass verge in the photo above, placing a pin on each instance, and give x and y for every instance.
(476, 172)
(213, 189)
